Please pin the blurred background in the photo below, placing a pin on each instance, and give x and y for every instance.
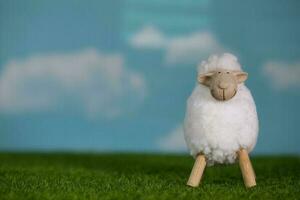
(114, 75)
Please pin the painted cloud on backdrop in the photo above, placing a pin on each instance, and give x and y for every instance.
(148, 38)
(88, 81)
(188, 48)
(173, 141)
(282, 75)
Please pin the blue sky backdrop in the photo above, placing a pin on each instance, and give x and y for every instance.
(115, 75)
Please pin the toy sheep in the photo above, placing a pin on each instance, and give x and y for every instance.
(221, 122)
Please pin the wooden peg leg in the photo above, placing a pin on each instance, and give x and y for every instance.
(246, 168)
(197, 171)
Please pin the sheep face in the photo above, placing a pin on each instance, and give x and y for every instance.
(222, 83)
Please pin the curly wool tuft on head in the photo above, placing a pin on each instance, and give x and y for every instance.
(226, 61)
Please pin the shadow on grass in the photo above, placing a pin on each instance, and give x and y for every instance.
(122, 163)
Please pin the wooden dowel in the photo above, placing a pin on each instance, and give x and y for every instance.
(246, 168)
(197, 171)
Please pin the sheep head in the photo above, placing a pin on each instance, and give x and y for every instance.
(222, 83)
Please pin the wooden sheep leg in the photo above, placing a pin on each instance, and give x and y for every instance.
(197, 171)
(246, 168)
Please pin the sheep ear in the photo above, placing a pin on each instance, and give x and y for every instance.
(241, 76)
(204, 79)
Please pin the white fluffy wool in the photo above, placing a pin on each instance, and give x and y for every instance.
(218, 129)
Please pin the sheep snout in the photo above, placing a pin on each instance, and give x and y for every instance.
(223, 94)
(223, 85)
(223, 91)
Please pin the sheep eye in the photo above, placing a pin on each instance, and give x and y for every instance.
(227, 72)
(219, 72)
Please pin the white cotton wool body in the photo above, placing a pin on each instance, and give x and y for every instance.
(221, 114)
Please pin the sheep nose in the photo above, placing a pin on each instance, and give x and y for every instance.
(223, 85)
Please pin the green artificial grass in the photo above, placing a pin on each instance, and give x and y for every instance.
(138, 176)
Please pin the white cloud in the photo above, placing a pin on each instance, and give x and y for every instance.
(148, 38)
(192, 48)
(88, 81)
(189, 48)
(282, 75)
(173, 141)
